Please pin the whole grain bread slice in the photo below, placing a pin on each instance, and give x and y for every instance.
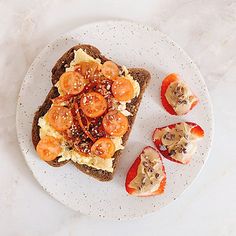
(139, 74)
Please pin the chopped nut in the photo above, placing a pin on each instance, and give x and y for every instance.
(185, 144)
(169, 136)
(182, 101)
(186, 136)
(162, 147)
(157, 175)
(172, 152)
(179, 90)
(143, 181)
(145, 164)
(150, 169)
(181, 149)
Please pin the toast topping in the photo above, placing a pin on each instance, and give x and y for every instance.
(93, 104)
(93, 161)
(135, 83)
(179, 141)
(110, 70)
(59, 117)
(122, 89)
(115, 123)
(49, 148)
(103, 147)
(89, 115)
(80, 57)
(72, 82)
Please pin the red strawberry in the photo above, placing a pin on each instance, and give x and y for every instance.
(165, 84)
(196, 130)
(132, 173)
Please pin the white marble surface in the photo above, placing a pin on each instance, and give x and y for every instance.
(206, 30)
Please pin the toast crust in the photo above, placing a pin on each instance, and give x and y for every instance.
(139, 74)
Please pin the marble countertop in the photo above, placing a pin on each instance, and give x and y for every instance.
(206, 30)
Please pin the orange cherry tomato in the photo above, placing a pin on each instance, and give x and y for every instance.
(115, 123)
(122, 89)
(48, 148)
(104, 148)
(93, 104)
(62, 99)
(110, 70)
(60, 118)
(72, 82)
(89, 69)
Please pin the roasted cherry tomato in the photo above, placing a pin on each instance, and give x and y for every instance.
(115, 123)
(110, 70)
(122, 89)
(48, 148)
(72, 82)
(84, 148)
(104, 148)
(133, 171)
(62, 99)
(80, 121)
(93, 104)
(59, 117)
(196, 130)
(90, 70)
(165, 84)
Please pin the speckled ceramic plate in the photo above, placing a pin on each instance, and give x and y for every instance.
(133, 45)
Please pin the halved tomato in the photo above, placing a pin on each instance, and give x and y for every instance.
(48, 148)
(93, 104)
(79, 119)
(72, 82)
(110, 70)
(104, 148)
(89, 69)
(115, 123)
(59, 117)
(122, 89)
(62, 99)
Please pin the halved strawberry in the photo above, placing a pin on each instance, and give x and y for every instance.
(196, 130)
(165, 84)
(149, 152)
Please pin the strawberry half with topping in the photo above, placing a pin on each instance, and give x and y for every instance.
(178, 142)
(146, 177)
(177, 98)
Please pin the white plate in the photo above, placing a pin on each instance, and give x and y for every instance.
(133, 45)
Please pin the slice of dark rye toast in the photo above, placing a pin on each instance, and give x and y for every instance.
(139, 74)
